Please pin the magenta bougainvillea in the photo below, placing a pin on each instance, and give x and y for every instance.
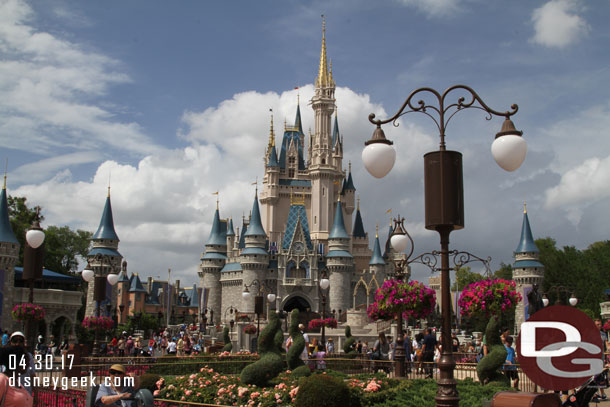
(25, 312)
(98, 323)
(489, 297)
(319, 322)
(412, 299)
(250, 329)
(606, 326)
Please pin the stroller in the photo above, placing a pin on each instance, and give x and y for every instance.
(584, 394)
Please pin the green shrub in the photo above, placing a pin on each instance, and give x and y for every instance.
(321, 390)
(227, 340)
(293, 356)
(149, 381)
(259, 373)
(489, 367)
(271, 363)
(348, 346)
(301, 371)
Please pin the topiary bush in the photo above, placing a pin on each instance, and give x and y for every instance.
(322, 390)
(489, 367)
(350, 341)
(227, 340)
(293, 355)
(149, 381)
(270, 363)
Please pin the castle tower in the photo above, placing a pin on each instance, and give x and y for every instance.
(360, 243)
(212, 261)
(377, 264)
(326, 174)
(254, 257)
(103, 258)
(123, 295)
(9, 253)
(340, 263)
(230, 239)
(527, 270)
(348, 197)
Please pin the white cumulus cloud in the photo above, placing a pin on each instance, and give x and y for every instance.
(433, 8)
(557, 24)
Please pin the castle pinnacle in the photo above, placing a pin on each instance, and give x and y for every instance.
(106, 228)
(324, 79)
(338, 231)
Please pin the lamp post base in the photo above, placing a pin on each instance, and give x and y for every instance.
(446, 393)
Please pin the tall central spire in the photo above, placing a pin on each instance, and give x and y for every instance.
(324, 76)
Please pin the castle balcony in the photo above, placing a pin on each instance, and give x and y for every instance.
(49, 297)
(306, 282)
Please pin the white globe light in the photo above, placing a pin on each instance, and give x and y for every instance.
(545, 301)
(573, 301)
(113, 278)
(324, 283)
(379, 159)
(509, 151)
(88, 275)
(271, 297)
(246, 295)
(34, 238)
(399, 242)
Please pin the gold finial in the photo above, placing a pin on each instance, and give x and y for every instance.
(298, 98)
(339, 197)
(524, 207)
(271, 133)
(358, 203)
(350, 166)
(285, 125)
(322, 80)
(108, 184)
(256, 189)
(217, 193)
(5, 171)
(377, 230)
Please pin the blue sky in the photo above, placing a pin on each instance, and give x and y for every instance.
(171, 101)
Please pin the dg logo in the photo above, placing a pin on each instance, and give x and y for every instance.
(559, 348)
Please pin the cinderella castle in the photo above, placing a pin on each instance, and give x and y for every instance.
(301, 227)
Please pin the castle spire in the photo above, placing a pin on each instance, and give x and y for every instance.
(338, 230)
(6, 231)
(358, 224)
(377, 258)
(323, 79)
(255, 227)
(106, 228)
(216, 236)
(526, 243)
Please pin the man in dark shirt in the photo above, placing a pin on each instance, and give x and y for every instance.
(430, 344)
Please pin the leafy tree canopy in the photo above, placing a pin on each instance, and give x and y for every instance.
(63, 246)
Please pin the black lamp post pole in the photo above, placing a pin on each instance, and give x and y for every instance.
(443, 190)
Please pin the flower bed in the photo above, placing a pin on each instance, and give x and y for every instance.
(377, 390)
(25, 312)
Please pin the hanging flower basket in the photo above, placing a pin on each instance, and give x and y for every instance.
(319, 323)
(489, 297)
(250, 329)
(28, 312)
(243, 318)
(606, 326)
(101, 323)
(412, 299)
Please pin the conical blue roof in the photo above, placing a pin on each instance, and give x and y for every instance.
(297, 121)
(6, 231)
(358, 226)
(335, 133)
(526, 244)
(273, 158)
(255, 228)
(349, 184)
(217, 237)
(123, 277)
(338, 230)
(230, 230)
(136, 285)
(106, 228)
(376, 258)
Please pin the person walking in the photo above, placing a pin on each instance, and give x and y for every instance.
(381, 349)
(428, 348)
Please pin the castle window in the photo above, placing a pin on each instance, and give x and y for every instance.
(323, 160)
(323, 191)
(315, 220)
(291, 173)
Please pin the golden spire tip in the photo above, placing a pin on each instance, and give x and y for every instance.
(358, 203)
(377, 230)
(5, 171)
(524, 207)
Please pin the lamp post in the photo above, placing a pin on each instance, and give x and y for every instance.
(33, 258)
(443, 186)
(324, 284)
(258, 299)
(169, 273)
(560, 289)
(103, 262)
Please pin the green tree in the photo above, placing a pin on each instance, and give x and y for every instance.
(505, 272)
(63, 246)
(463, 277)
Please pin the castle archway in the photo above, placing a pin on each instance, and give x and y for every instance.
(297, 302)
